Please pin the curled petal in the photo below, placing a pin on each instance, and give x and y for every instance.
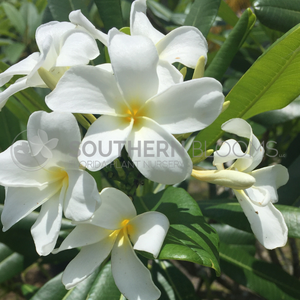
(82, 196)
(184, 44)
(140, 24)
(267, 222)
(23, 67)
(241, 128)
(231, 150)
(148, 231)
(77, 18)
(229, 178)
(115, 208)
(78, 47)
(86, 261)
(157, 154)
(46, 228)
(268, 180)
(132, 278)
(19, 85)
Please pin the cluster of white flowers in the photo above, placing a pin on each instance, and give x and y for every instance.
(142, 100)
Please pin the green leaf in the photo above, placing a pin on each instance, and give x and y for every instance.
(15, 17)
(11, 263)
(14, 51)
(60, 10)
(10, 128)
(111, 13)
(53, 289)
(233, 43)
(190, 237)
(104, 286)
(279, 116)
(268, 280)
(172, 283)
(289, 194)
(277, 14)
(227, 14)
(265, 86)
(230, 212)
(202, 14)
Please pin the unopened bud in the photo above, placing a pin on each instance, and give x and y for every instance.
(229, 178)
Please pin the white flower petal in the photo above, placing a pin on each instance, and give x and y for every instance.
(21, 201)
(18, 168)
(140, 24)
(19, 85)
(97, 87)
(77, 18)
(103, 142)
(231, 150)
(157, 154)
(82, 197)
(184, 44)
(132, 278)
(86, 261)
(83, 235)
(46, 228)
(269, 179)
(78, 48)
(63, 128)
(243, 129)
(134, 60)
(148, 231)
(115, 208)
(188, 106)
(267, 222)
(23, 67)
(168, 75)
(53, 29)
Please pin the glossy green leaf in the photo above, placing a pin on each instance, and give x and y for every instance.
(104, 286)
(277, 14)
(230, 212)
(233, 43)
(53, 289)
(111, 13)
(60, 10)
(271, 83)
(268, 280)
(172, 283)
(190, 237)
(15, 17)
(11, 263)
(14, 51)
(202, 14)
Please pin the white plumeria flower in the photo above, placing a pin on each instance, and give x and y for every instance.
(61, 45)
(134, 113)
(266, 221)
(41, 144)
(112, 229)
(185, 44)
(58, 184)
